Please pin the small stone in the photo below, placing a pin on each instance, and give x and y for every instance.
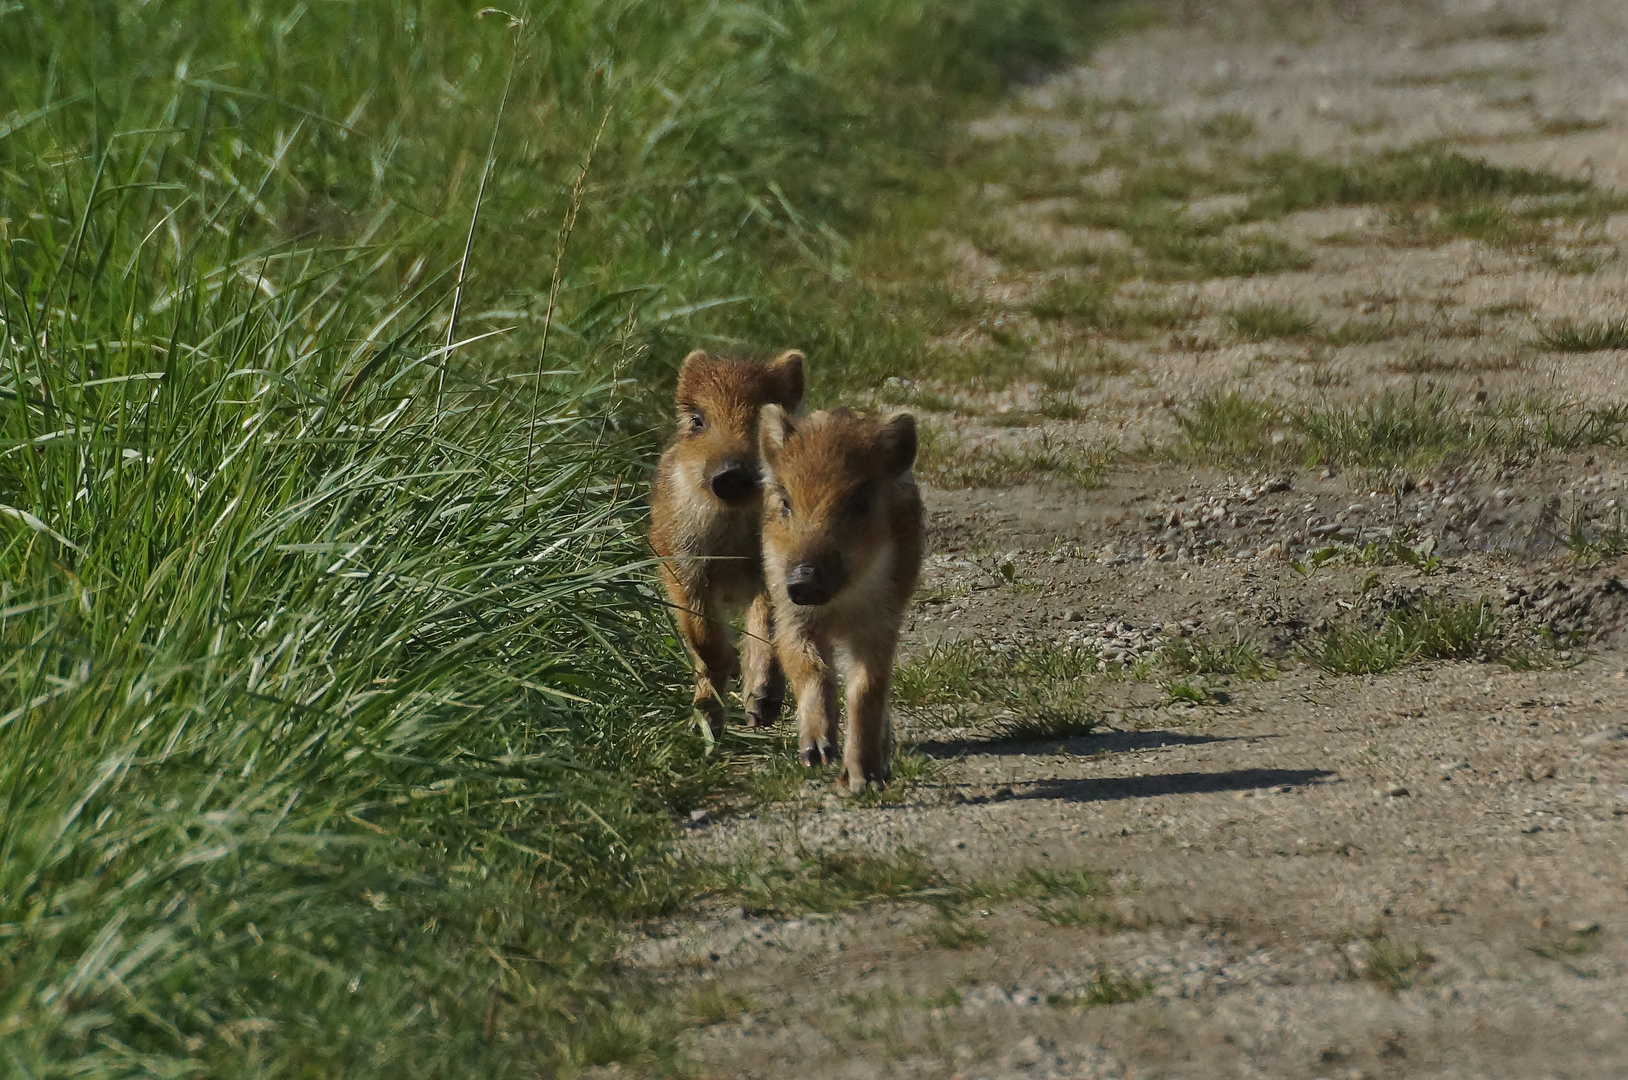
(1072, 616)
(1585, 928)
(1395, 790)
(1539, 770)
(1002, 793)
(1607, 737)
(700, 817)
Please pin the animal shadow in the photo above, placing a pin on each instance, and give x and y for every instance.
(1106, 788)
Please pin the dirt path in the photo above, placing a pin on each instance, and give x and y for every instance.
(1124, 659)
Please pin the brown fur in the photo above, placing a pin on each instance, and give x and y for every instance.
(710, 544)
(842, 547)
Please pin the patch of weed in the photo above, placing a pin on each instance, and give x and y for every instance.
(974, 670)
(1261, 321)
(1556, 126)
(949, 462)
(950, 930)
(1073, 298)
(1052, 407)
(1588, 544)
(1406, 177)
(1043, 882)
(1356, 332)
(712, 1004)
(1189, 258)
(907, 770)
(1491, 224)
(1239, 657)
(1081, 912)
(1234, 427)
(1107, 988)
(1181, 690)
(1391, 429)
(1431, 630)
(827, 881)
(1570, 335)
(1392, 965)
(1228, 127)
(1565, 950)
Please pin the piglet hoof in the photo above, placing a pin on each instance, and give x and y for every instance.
(762, 712)
(857, 784)
(818, 754)
(861, 781)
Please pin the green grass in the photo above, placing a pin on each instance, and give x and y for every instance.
(972, 670)
(712, 1004)
(1393, 966)
(1107, 988)
(827, 881)
(1396, 428)
(1430, 630)
(342, 726)
(1234, 426)
(1356, 332)
(950, 930)
(1391, 429)
(1263, 321)
(1588, 543)
(1568, 335)
(1239, 657)
(1566, 950)
(1422, 175)
(946, 461)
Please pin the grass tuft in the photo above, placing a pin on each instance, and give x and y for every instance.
(946, 461)
(949, 930)
(1399, 178)
(712, 1004)
(1107, 988)
(1393, 966)
(1569, 335)
(827, 881)
(1235, 427)
(1261, 321)
(1241, 658)
(1431, 630)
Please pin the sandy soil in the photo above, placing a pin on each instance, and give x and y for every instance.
(1414, 874)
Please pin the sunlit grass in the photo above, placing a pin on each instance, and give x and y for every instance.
(341, 723)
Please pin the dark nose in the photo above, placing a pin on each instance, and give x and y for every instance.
(733, 483)
(806, 586)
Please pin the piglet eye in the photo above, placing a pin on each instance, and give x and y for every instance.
(859, 503)
(695, 422)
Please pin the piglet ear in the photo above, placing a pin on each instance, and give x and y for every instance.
(690, 372)
(773, 429)
(786, 379)
(896, 444)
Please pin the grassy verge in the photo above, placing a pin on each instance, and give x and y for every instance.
(1396, 428)
(340, 725)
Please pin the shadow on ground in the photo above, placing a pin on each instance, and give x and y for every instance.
(1101, 789)
(1111, 742)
